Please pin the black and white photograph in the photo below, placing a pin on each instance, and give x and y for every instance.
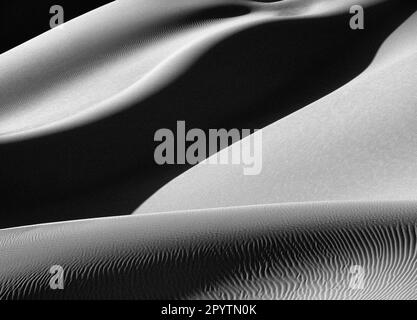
(211, 155)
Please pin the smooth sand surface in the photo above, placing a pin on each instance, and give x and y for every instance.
(357, 143)
(79, 106)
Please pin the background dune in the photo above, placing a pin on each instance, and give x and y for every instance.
(77, 133)
(357, 143)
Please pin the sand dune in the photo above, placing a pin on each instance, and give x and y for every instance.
(287, 251)
(357, 143)
(77, 118)
(79, 106)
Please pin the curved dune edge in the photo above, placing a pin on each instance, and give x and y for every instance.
(357, 143)
(285, 251)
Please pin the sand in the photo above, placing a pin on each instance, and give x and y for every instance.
(78, 109)
(286, 251)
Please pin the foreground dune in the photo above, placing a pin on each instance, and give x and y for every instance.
(287, 251)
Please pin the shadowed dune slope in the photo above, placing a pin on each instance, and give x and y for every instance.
(287, 251)
(358, 143)
(79, 105)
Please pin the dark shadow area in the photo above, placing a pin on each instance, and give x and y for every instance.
(22, 21)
